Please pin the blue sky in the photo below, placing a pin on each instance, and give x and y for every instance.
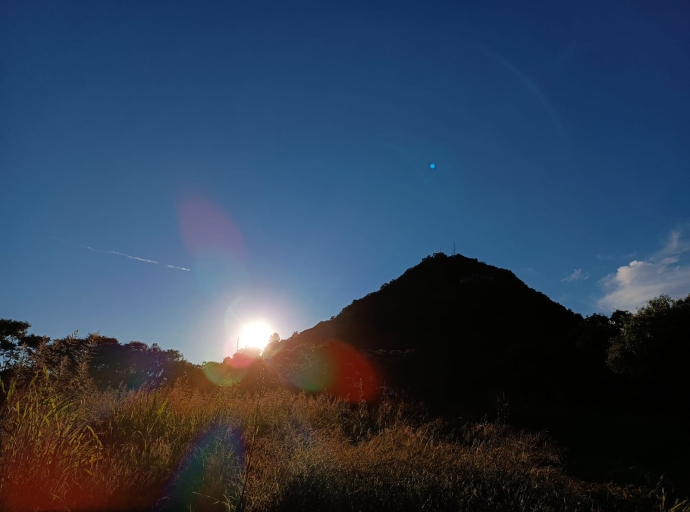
(279, 155)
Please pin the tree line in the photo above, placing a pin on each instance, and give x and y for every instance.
(650, 346)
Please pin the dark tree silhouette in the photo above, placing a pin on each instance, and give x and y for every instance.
(135, 364)
(654, 342)
(13, 336)
(597, 331)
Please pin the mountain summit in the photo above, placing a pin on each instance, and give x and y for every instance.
(447, 303)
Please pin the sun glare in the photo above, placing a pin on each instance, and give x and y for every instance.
(255, 335)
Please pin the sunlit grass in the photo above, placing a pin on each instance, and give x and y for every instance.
(73, 448)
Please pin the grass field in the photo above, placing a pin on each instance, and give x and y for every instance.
(67, 446)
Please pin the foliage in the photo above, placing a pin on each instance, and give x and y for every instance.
(596, 332)
(13, 337)
(109, 362)
(135, 364)
(653, 342)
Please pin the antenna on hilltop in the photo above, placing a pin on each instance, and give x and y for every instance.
(454, 251)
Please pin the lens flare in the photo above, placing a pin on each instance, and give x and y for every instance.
(207, 228)
(337, 369)
(187, 485)
(215, 243)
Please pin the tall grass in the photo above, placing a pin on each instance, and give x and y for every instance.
(67, 447)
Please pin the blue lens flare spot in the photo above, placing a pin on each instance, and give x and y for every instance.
(432, 166)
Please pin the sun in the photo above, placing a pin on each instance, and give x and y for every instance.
(255, 335)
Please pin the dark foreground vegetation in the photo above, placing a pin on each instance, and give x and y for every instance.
(68, 446)
(431, 394)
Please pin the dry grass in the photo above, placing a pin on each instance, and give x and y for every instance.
(69, 448)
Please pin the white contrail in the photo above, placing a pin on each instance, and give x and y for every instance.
(117, 253)
(179, 268)
(133, 257)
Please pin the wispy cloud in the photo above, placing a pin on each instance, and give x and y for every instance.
(606, 257)
(575, 276)
(640, 280)
(123, 254)
(611, 257)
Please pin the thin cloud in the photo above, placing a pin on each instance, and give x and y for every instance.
(640, 280)
(575, 276)
(611, 257)
(123, 254)
(675, 245)
(179, 268)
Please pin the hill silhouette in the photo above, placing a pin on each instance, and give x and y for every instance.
(453, 327)
(472, 340)
(434, 302)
